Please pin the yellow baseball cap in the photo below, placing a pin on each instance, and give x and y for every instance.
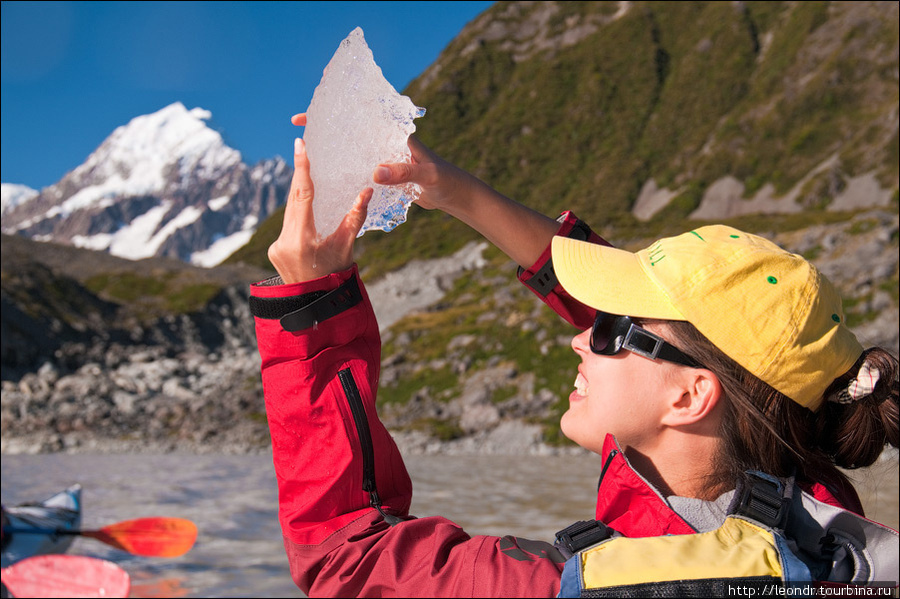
(769, 310)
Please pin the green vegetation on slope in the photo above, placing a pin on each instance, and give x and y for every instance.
(683, 93)
(154, 294)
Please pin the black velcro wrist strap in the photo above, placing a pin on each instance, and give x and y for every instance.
(305, 311)
(580, 231)
(274, 308)
(544, 281)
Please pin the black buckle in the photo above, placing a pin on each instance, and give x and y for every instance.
(544, 281)
(763, 499)
(583, 534)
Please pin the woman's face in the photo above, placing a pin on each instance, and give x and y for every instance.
(622, 394)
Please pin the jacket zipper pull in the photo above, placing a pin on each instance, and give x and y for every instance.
(375, 502)
(606, 465)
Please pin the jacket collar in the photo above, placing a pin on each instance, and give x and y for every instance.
(628, 503)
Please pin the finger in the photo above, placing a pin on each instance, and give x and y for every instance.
(417, 171)
(393, 174)
(299, 119)
(355, 219)
(298, 211)
(420, 152)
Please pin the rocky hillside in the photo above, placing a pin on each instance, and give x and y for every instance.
(593, 105)
(652, 117)
(647, 118)
(121, 354)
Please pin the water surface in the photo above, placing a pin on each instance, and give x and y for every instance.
(233, 501)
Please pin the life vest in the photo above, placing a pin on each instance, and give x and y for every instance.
(776, 540)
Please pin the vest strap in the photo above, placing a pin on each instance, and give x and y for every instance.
(765, 499)
(583, 534)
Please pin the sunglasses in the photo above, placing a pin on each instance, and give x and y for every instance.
(611, 334)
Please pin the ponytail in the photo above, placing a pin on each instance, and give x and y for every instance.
(860, 414)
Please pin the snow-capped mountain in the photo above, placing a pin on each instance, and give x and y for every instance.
(165, 184)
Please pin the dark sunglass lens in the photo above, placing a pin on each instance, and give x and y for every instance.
(601, 332)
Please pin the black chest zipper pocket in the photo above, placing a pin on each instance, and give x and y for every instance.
(358, 411)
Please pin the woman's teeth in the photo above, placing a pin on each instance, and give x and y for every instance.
(581, 386)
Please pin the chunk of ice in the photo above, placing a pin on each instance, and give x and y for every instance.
(357, 120)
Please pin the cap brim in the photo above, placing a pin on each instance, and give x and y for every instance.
(610, 280)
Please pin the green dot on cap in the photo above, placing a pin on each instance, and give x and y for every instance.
(734, 236)
(771, 279)
(836, 318)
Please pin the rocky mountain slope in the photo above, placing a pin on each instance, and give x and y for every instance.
(149, 354)
(165, 184)
(647, 118)
(652, 117)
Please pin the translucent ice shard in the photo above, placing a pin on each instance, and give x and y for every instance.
(357, 120)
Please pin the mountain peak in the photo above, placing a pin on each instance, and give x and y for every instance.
(141, 152)
(164, 183)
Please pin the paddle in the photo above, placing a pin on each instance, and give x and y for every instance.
(156, 537)
(66, 576)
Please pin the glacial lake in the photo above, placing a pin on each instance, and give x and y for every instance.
(233, 500)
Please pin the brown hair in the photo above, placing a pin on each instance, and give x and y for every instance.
(763, 429)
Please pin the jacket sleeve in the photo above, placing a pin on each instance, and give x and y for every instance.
(541, 278)
(344, 492)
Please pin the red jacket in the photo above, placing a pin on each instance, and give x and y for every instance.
(339, 471)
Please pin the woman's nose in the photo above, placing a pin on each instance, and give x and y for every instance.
(582, 341)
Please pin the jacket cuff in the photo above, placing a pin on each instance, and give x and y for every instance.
(299, 306)
(541, 277)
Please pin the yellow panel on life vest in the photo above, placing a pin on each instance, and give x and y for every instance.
(737, 549)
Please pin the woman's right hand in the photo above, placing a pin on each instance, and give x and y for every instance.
(520, 232)
(444, 186)
(299, 254)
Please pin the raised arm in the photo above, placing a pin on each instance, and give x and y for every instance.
(520, 232)
(344, 492)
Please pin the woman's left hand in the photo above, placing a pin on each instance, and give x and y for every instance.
(299, 254)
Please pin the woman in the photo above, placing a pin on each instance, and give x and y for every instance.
(702, 358)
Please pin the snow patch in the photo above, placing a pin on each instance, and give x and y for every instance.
(13, 194)
(221, 249)
(143, 236)
(217, 204)
(99, 242)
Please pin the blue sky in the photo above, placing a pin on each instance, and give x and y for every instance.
(74, 71)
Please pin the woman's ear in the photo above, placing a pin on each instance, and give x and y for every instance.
(700, 395)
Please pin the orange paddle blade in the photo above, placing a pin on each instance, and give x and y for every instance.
(66, 576)
(157, 537)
